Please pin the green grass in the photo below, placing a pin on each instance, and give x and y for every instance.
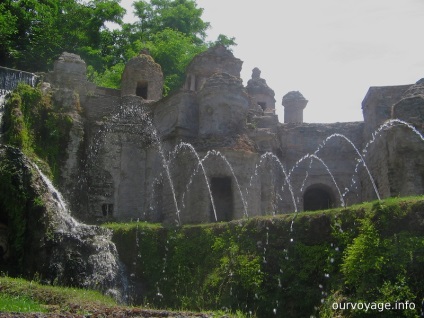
(129, 226)
(28, 296)
(10, 303)
(23, 296)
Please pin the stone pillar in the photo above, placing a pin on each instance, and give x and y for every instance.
(294, 103)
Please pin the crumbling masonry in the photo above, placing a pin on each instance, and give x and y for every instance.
(131, 152)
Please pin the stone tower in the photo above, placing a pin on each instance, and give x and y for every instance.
(294, 103)
(223, 106)
(216, 59)
(261, 92)
(142, 77)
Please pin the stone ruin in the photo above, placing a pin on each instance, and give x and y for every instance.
(131, 152)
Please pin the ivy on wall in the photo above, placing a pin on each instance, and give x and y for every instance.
(271, 267)
(32, 124)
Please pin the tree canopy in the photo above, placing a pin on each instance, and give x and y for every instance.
(37, 32)
(33, 33)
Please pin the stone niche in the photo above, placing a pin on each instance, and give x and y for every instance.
(223, 106)
(142, 77)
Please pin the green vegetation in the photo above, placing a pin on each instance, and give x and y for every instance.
(33, 124)
(19, 304)
(366, 253)
(13, 198)
(18, 295)
(34, 33)
(49, 298)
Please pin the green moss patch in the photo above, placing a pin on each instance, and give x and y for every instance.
(287, 265)
(50, 298)
(33, 124)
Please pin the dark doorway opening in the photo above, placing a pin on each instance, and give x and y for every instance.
(263, 105)
(141, 89)
(222, 194)
(318, 197)
(107, 209)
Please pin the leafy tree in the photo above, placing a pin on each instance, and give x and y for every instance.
(174, 32)
(225, 41)
(86, 32)
(179, 15)
(36, 32)
(111, 77)
(173, 50)
(8, 29)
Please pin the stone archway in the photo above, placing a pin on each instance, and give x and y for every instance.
(318, 197)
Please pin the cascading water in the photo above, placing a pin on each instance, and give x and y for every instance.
(82, 255)
(103, 269)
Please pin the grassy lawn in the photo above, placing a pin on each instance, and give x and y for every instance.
(10, 303)
(19, 295)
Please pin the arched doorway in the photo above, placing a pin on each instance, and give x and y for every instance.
(318, 197)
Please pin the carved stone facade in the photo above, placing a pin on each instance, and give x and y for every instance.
(215, 150)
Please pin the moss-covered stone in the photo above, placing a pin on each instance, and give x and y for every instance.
(33, 124)
(290, 266)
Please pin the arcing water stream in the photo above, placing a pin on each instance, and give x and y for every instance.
(103, 268)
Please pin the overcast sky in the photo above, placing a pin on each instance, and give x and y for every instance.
(331, 51)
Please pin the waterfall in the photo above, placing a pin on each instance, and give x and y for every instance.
(79, 254)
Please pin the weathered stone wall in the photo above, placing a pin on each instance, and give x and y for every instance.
(298, 140)
(177, 115)
(216, 59)
(117, 168)
(377, 106)
(129, 158)
(223, 106)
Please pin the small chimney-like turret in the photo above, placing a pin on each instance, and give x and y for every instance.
(260, 91)
(294, 103)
